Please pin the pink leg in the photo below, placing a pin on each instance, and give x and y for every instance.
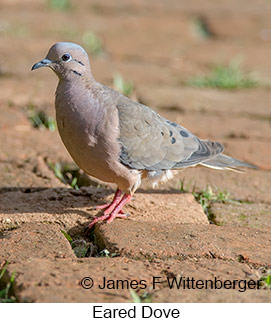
(110, 206)
(118, 213)
(115, 213)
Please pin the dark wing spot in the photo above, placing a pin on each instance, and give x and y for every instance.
(170, 133)
(173, 140)
(172, 123)
(183, 133)
(162, 133)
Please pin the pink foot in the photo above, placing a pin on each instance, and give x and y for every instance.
(103, 207)
(114, 210)
(109, 207)
(120, 215)
(108, 218)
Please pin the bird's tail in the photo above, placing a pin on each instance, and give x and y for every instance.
(226, 162)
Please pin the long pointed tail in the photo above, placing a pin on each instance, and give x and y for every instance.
(226, 162)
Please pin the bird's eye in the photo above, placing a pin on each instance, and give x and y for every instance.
(66, 57)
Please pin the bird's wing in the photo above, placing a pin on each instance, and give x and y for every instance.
(151, 142)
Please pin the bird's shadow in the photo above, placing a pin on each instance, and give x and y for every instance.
(41, 203)
(59, 200)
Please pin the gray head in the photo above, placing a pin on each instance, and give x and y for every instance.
(66, 60)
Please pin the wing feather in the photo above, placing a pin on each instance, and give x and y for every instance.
(151, 142)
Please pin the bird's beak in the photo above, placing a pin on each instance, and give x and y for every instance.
(43, 63)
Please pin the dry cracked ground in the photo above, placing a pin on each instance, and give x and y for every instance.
(158, 47)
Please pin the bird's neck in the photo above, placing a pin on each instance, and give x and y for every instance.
(79, 77)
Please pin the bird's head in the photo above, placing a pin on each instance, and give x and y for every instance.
(66, 60)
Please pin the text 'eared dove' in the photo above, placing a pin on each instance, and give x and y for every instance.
(116, 139)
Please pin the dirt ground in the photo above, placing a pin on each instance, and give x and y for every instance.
(154, 45)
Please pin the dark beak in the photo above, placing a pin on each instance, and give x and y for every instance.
(43, 63)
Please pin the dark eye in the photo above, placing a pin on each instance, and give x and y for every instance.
(66, 57)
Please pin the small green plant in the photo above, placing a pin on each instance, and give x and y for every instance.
(66, 173)
(5, 296)
(93, 43)
(107, 254)
(125, 87)
(59, 5)
(228, 77)
(186, 188)
(67, 236)
(104, 253)
(201, 28)
(39, 119)
(266, 280)
(58, 171)
(206, 197)
(145, 297)
(74, 183)
(70, 173)
(80, 247)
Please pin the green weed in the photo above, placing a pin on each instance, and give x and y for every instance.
(93, 43)
(201, 28)
(39, 119)
(228, 77)
(5, 288)
(106, 253)
(67, 236)
(186, 188)
(266, 280)
(145, 297)
(123, 86)
(80, 247)
(59, 5)
(206, 197)
(71, 174)
(66, 173)
(242, 217)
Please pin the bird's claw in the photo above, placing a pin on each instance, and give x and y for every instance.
(108, 218)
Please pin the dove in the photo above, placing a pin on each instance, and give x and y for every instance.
(117, 140)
